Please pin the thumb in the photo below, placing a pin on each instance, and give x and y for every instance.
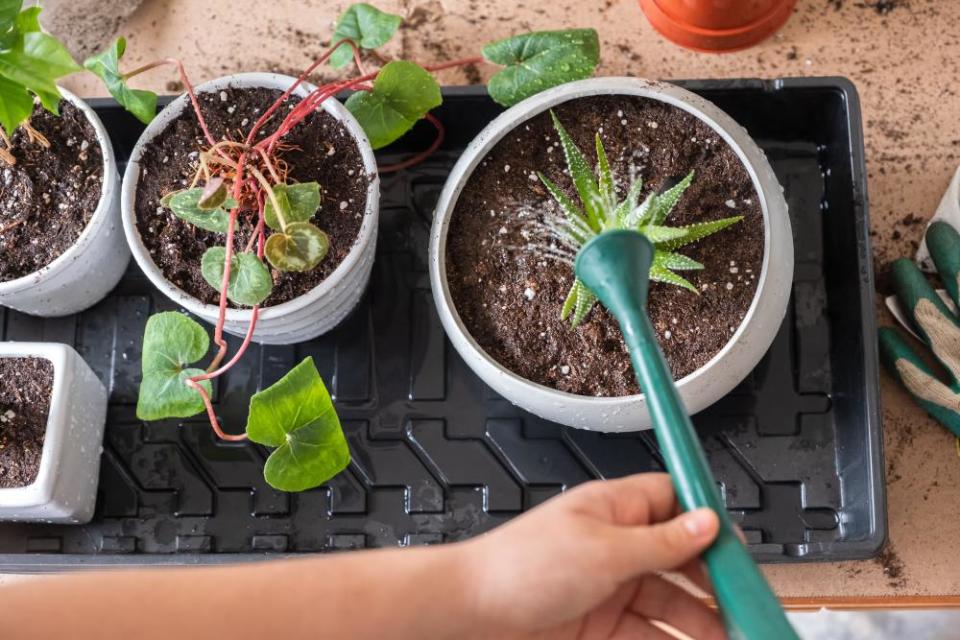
(671, 544)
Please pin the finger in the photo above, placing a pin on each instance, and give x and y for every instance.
(668, 545)
(638, 499)
(633, 627)
(662, 600)
(908, 367)
(943, 241)
(695, 572)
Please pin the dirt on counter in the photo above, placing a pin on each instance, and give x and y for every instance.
(26, 385)
(49, 195)
(320, 149)
(510, 298)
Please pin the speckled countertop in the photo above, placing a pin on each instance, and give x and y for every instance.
(902, 55)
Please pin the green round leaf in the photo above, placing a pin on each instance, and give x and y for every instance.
(541, 60)
(296, 415)
(106, 66)
(402, 94)
(300, 247)
(250, 281)
(299, 202)
(171, 341)
(366, 26)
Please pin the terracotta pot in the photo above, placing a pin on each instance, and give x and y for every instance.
(717, 25)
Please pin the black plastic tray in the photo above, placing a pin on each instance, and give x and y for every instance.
(437, 456)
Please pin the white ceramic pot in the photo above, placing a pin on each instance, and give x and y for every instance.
(704, 386)
(86, 272)
(65, 489)
(315, 312)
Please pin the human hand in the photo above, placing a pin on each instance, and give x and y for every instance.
(584, 566)
(935, 325)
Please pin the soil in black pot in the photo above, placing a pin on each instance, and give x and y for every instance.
(49, 195)
(510, 299)
(26, 385)
(322, 150)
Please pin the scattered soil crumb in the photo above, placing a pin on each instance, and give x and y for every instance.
(882, 7)
(892, 566)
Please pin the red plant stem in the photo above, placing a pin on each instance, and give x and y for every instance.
(262, 120)
(212, 415)
(308, 104)
(186, 83)
(423, 155)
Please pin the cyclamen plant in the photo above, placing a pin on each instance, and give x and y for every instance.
(245, 182)
(602, 211)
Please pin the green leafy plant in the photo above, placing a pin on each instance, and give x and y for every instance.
(600, 210)
(248, 176)
(297, 418)
(537, 61)
(295, 415)
(31, 62)
(364, 25)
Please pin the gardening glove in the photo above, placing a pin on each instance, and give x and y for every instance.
(948, 211)
(932, 320)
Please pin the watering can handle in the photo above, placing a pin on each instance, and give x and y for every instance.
(749, 606)
(615, 265)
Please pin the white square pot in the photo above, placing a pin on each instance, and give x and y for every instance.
(65, 489)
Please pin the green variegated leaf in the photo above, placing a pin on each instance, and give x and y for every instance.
(582, 177)
(573, 212)
(629, 204)
(699, 231)
(299, 247)
(608, 190)
(661, 274)
(185, 205)
(299, 202)
(664, 203)
(640, 215)
(570, 303)
(675, 261)
(659, 235)
(585, 302)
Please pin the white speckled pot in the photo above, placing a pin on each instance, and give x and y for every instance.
(313, 313)
(704, 386)
(86, 272)
(65, 489)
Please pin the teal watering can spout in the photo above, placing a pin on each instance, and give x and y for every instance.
(615, 266)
